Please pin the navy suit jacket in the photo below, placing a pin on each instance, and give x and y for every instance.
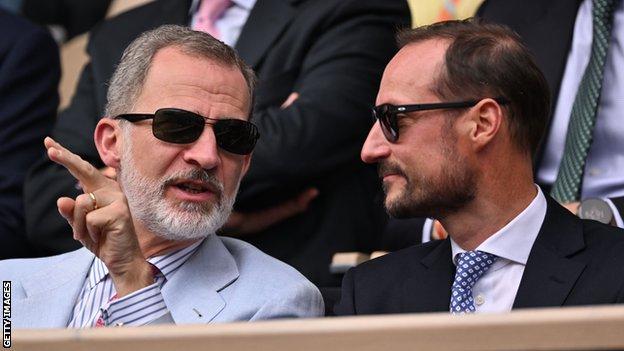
(572, 262)
(29, 77)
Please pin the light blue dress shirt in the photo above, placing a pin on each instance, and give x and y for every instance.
(604, 170)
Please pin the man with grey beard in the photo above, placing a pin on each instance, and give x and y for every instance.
(178, 135)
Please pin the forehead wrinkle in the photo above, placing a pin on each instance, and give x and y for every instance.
(203, 99)
(218, 94)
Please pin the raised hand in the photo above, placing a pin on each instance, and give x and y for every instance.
(101, 221)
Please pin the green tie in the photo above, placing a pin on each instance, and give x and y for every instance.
(567, 186)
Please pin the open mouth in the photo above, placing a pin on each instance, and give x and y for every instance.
(192, 188)
(196, 187)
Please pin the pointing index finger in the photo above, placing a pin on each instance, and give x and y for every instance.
(82, 170)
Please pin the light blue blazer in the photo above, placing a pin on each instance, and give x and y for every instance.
(226, 280)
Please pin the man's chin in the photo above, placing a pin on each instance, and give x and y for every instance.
(402, 208)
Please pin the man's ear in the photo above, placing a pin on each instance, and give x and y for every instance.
(246, 162)
(107, 138)
(487, 120)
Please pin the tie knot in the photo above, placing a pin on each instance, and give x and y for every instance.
(213, 9)
(471, 265)
(208, 14)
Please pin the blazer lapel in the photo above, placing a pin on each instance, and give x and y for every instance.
(52, 293)
(429, 289)
(550, 274)
(192, 294)
(267, 20)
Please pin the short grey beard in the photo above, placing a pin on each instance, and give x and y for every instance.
(183, 221)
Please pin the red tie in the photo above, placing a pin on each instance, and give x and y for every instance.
(100, 321)
(208, 13)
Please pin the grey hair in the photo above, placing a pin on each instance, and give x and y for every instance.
(129, 77)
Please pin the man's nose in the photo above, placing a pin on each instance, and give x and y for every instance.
(376, 146)
(204, 152)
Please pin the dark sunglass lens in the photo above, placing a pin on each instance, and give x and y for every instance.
(387, 121)
(178, 127)
(236, 136)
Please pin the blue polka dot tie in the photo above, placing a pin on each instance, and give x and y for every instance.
(471, 266)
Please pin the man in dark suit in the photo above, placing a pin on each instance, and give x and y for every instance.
(461, 110)
(29, 76)
(319, 64)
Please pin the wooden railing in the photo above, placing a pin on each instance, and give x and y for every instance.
(585, 328)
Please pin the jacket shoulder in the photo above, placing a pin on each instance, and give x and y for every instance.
(269, 281)
(396, 263)
(18, 268)
(598, 234)
(251, 261)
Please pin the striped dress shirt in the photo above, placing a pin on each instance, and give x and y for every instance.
(97, 298)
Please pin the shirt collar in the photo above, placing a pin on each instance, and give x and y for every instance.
(515, 240)
(168, 264)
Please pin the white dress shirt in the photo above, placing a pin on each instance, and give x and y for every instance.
(138, 308)
(496, 291)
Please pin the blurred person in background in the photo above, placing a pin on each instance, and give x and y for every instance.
(29, 77)
(576, 44)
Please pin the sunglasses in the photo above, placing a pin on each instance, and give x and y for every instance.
(183, 127)
(387, 114)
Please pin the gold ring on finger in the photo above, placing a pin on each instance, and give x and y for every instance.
(93, 201)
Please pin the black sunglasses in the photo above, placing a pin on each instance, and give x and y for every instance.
(183, 127)
(387, 114)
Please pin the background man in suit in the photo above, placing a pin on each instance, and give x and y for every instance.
(463, 155)
(29, 77)
(179, 139)
(559, 34)
(319, 65)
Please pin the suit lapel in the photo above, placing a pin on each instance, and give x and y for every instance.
(52, 293)
(429, 289)
(550, 275)
(266, 22)
(192, 294)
